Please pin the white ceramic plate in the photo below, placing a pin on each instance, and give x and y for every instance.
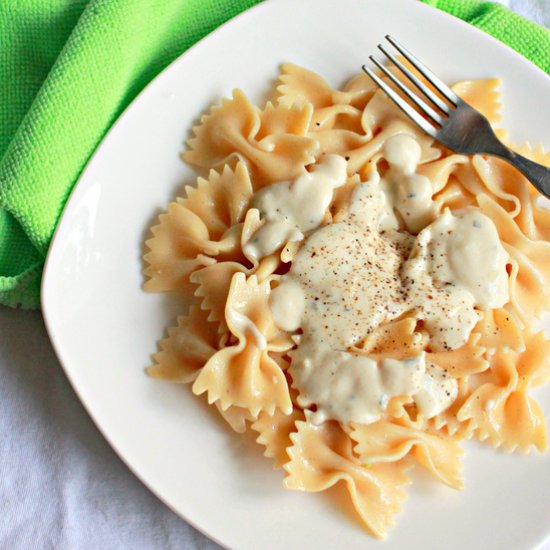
(104, 327)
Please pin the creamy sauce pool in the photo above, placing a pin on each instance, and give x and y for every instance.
(366, 269)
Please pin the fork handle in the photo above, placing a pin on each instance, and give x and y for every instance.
(536, 173)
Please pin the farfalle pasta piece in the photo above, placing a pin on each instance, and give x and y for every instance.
(322, 455)
(331, 108)
(380, 120)
(482, 95)
(340, 117)
(222, 200)
(360, 89)
(299, 84)
(500, 408)
(361, 152)
(274, 433)
(283, 360)
(252, 223)
(344, 142)
(188, 347)
(464, 361)
(284, 119)
(341, 197)
(469, 179)
(511, 190)
(453, 196)
(535, 221)
(179, 245)
(244, 375)
(439, 171)
(236, 417)
(223, 131)
(399, 407)
(195, 228)
(290, 250)
(213, 283)
(267, 265)
(448, 421)
(357, 148)
(396, 339)
(392, 440)
(381, 113)
(506, 185)
(231, 129)
(534, 364)
(498, 328)
(530, 261)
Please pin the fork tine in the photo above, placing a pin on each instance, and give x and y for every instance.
(426, 73)
(411, 95)
(438, 102)
(402, 104)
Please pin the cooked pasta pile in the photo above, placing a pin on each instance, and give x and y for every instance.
(199, 249)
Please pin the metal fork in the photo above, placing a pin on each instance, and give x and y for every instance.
(451, 121)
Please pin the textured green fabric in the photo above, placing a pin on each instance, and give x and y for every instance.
(67, 70)
(529, 39)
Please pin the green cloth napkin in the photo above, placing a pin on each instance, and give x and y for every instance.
(67, 70)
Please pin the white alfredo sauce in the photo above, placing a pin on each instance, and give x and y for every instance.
(356, 388)
(475, 259)
(293, 208)
(364, 270)
(409, 193)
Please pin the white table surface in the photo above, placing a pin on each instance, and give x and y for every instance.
(61, 485)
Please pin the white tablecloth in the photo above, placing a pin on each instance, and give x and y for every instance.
(61, 485)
